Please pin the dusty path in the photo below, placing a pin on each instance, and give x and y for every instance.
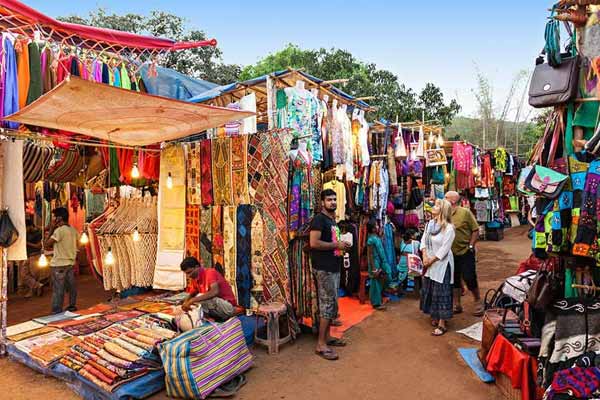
(391, 355)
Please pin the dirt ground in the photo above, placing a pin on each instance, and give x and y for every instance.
(391, 355)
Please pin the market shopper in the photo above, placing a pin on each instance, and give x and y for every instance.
(326, 253)
(436, 245)
(379, 269)
(463, 248)
(63, 241)
(209, 289)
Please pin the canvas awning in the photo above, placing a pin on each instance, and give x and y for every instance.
(119, 115)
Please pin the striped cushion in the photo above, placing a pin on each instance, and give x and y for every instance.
(35, 161)
(67, 168)
(200, 360)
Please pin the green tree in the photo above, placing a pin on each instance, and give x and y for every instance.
(392, 99)
(204, 62)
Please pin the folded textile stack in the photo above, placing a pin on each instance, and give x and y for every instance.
(49, 347)
(176, 299)
(119, 353)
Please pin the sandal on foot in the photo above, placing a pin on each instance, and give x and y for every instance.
(336, 342)
(439, 331)
(328, 355)
(380, 308)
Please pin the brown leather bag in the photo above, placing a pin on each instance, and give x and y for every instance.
(492, 319)
(545, 286)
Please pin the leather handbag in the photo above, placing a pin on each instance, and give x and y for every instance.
(545, 181)
(545, 286)
(552, 86)
(8, 232)
(492, 320)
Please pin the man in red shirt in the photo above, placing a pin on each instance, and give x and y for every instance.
(208, 288)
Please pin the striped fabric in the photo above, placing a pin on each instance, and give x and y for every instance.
(200, 360)
(36, 160)
(67, 168)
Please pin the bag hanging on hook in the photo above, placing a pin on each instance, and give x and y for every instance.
(8, 232)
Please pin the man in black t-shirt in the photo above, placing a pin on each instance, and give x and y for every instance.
(326, 255)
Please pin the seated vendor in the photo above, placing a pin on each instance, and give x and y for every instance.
(208, 288)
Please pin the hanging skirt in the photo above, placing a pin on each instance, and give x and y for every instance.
(436, 298)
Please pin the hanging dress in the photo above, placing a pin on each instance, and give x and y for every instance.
(300, 195)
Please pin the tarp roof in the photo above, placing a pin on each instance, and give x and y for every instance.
(173, 84)
(225, 89)
(17, 15)
(119, 115)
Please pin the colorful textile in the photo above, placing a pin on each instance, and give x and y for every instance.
(377, 262)
(194, 185)
(22, 50)
(206, 237)
(67, 168)
(36, 160)
(218, 240)
(257, 245)
(268, 167)
(221, 171)
(31, 334)
(123, 315)
(300, 197)
(51, 352)
(192, 231)
(152, 307)
(206, 172)
(243, 254)
(171, 220)
(239, 169)
(230, 245)
(35, 73)
(200, 360)
(10, 98)
(87, 327)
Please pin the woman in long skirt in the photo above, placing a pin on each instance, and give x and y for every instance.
(436, 244)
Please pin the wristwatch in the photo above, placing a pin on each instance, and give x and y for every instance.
(471, 247)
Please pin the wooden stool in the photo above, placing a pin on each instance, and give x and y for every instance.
(272, 312)
(362, 287)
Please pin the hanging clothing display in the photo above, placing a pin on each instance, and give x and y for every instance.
(221, 171)
(230, 246)
(239, 169)
(206, 237)
(248, 103)
(300, 191)
(36, 160)
(14, 199)
(194, 185)
(243, 254)
(10, 98)
(171, 220)
(340, 191)
(192, 231)
(206, 172)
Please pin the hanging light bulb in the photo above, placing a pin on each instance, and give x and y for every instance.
(43, 261)
(84, 238)
(440, 141)
(109, 259)
(135, 172)
(169, 181)
(136, 235)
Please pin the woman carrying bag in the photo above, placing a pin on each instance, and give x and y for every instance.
(436, 244)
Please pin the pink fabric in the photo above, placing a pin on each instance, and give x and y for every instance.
(462, 154)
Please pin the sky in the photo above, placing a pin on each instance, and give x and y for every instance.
(438, 41)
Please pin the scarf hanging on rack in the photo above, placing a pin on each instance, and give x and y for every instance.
(206, 173)
(22, 50)
(256, 245)
(239, 169)
(243, 254)
(67, 168)
(206, 247)
(11, 85)
(217, 234)
(194, 186)
(192, 231)
(230, 246)
(221, 171)
(35, 73)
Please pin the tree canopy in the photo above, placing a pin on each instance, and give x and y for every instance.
(392, 98)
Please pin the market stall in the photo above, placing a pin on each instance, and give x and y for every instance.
(114, 159)
(551, 346)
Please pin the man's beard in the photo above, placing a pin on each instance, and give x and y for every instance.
(331, 209)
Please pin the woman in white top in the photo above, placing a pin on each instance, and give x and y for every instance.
(436, 244)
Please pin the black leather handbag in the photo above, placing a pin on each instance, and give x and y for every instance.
(552, 86)
(8, 232)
